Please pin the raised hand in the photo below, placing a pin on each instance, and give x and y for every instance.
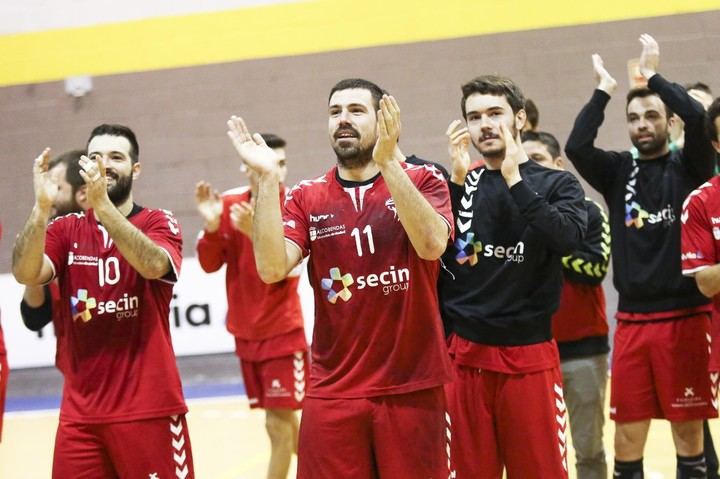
(252, 148)
(241, 217)
(93, 172)
(605, 82)
(458, 149)
(510, 167)
(209, 205)
(388, 120)
(650, 56)
(46, 190)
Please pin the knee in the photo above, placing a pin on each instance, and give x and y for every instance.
(279, 428)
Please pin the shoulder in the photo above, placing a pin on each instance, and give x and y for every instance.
(236, 194)
(304, 187)
(68, 219)
(702, 193)
(422, 170)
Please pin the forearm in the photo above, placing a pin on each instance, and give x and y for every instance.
(427, 231)
(27, 259)
(147, 258)
(268, 236)
(708, 280)
(34, 296)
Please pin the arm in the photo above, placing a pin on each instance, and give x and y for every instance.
(708, 280)
(211, 244)
(274, 257)
(589, 263)
(36, 307)
(427, 231)
(29, 265)
(147, 258)
(698, 256)
(597, 166)
(698, 154)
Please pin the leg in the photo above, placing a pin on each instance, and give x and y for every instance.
(711, 459)
(281, 425)
(630, 439)
(80, 453)
(335, 440)
(410, 435)
(4, 374)
(473, 449)
(532, 433)
(688, 437)
(584, 382)
(151, 448)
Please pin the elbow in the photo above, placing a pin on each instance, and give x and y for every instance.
(572, 149)
(432, 248)
(24, 278)
(157, 269)
(705, 288)
(271, 275)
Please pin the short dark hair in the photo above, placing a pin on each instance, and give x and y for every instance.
(700, 86)
(118, 130)
(359, 83)
(533, 115)
(643, 92)
(71, 160)
(273, 141)
(547, 139)
(712, 114)
(493, 85)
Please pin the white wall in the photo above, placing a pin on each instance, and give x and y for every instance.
(197, 318)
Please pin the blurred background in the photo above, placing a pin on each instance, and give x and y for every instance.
(175, 71)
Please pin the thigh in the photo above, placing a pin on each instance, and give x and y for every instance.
(632, 390)
(683, 387)
(470, 401)
(411, 435)
(80, 453)
(335, 440)
(158, 447)
(532, 425)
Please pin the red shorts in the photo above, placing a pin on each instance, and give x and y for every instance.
(151, 448)
(402, 436)
(277, 383)
(660, 370)
(515, 421)
(715, 341)
(4, 374)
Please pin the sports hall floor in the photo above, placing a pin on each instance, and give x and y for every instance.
(228, 439)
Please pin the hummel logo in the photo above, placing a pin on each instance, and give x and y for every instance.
(319, 218)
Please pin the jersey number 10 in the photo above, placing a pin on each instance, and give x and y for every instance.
(358, 243)
(108, 271)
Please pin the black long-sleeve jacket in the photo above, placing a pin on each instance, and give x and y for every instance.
(502, 277)
(644, 199)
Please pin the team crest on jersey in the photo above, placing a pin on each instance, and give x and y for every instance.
(317, 233)
(390, 204)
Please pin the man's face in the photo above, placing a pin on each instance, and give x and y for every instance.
(65, 201)
(648, 124)
(484, 115)
(114, 152)
(352, 125)
(538, 152)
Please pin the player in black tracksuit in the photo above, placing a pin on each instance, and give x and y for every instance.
(644, 199)
(500, 285)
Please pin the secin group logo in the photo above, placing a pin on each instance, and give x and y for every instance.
(82, 312)
(345, 280)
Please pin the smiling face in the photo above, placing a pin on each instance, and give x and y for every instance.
(648, 125)
(352, 126)
(484, 115)
(114, 152)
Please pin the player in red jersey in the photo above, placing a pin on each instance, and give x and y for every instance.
(4, 371)
(123, 412)
(265, 319)
(701, 244)
(373, 227)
